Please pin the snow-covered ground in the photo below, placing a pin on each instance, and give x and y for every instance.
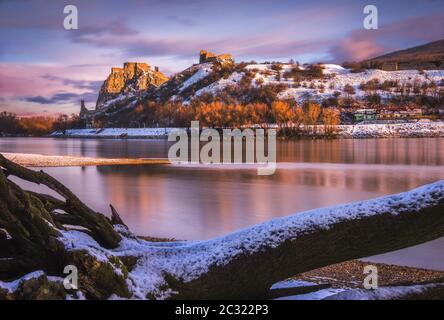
(314, 295)
(337, 78)
(115, 133)
(340, 78)
(416, 129)
(413, 129)
(203, 70)
(118, 99)
(13, 285)
(234, 78)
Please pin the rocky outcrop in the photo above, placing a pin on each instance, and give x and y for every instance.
(86, 116)
(206, 56)
(134, 77)
(136, 83)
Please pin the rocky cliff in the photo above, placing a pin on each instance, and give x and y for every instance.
(133, 78)
(206, 56)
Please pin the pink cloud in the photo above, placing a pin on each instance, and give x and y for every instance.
(17, 80)
(357, 50)
(32, 79)
(362, 44)
(28, 89)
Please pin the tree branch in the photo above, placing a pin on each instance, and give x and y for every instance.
(98, 223)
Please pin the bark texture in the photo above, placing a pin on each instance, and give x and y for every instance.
(30, 236)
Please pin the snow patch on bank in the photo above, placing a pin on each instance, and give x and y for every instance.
(379, 130)
(415, 129)
(114, 132)
(383, 293)
(316, 295)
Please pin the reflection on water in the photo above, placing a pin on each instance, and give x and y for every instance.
(425, 151)
(370, 151)
(202, 202)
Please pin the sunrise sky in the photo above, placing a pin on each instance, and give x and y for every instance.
(45, 69)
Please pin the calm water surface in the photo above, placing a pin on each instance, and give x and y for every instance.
(200, 203)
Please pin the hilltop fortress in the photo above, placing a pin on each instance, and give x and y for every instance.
(134, 77)
(206, 56)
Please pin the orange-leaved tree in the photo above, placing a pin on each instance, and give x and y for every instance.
(312, 112)
(330, 118)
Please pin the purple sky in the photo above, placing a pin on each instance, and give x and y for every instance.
(45, 69)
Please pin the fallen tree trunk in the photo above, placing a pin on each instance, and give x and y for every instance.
(240, 265)
(250, 261)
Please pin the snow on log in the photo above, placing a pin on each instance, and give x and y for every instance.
(246, 263)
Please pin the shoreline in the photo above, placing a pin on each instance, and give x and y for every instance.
(418, 129)
(39, 160)
(426, 129)
(278, 138)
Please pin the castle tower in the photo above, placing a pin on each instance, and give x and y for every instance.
(83, 110)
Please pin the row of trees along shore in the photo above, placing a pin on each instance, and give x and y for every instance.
(288, 116)
(11, 124)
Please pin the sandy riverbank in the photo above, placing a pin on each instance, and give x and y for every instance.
(39, 160)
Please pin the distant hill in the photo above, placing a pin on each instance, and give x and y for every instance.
(138, 96)
(427, 56)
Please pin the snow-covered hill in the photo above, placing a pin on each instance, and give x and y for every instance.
(216, 75)
(336, 78)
